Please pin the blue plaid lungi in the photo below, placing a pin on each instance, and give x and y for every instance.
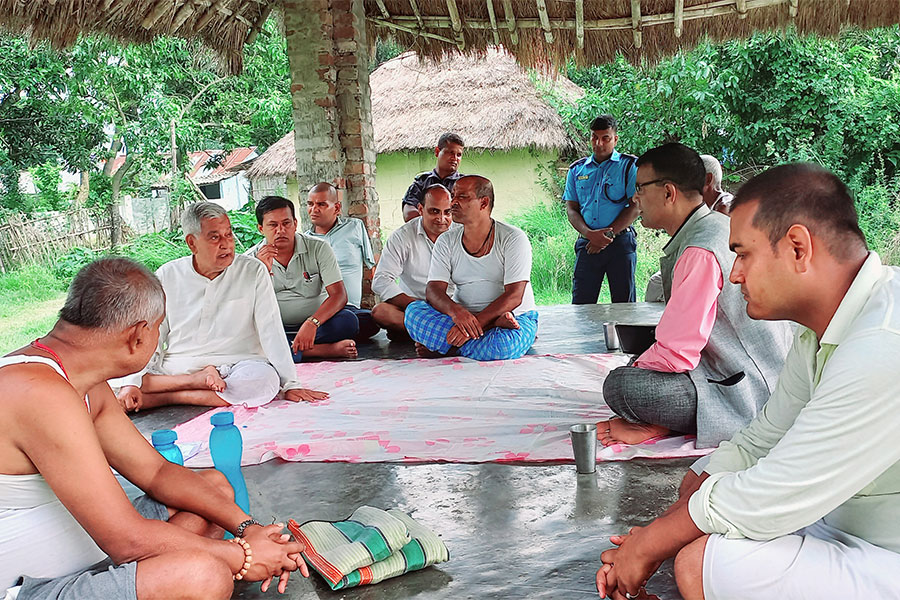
(429, 327)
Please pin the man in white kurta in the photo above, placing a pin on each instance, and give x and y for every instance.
(221, 342)
(402, 271)
(803, 502)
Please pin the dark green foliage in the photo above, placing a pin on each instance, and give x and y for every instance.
(67, 265)
(153, 250)
(243, 223)
(774, 98)
(47, 180)
(70, 107)
(386, 49)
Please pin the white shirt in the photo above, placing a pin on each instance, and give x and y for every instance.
(825, 444)
(480, 281)
(220, 321)
(404, 263)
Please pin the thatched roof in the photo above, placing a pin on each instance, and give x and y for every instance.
(223, 25)
(489, 100)
(279, 160)
(540, 33)
(548, 32)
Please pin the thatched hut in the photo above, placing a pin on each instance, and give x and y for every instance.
(513, 136)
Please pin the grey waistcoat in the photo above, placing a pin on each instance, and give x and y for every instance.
(727, 401)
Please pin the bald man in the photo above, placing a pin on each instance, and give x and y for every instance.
(350, 242)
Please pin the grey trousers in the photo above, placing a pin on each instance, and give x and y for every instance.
(644, 396)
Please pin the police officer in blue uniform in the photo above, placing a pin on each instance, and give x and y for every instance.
(599, 191)
(449, 153)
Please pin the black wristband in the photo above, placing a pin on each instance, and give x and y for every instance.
(239, 532)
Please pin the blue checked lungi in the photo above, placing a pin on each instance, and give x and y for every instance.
(429, 327)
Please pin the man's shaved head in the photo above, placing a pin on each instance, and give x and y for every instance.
(325, 187)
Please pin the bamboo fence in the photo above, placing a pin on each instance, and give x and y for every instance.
(42, 238)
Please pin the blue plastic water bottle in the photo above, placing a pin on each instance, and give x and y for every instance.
(164, 442)
(225, 447)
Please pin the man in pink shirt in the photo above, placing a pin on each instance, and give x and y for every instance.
(712, 367)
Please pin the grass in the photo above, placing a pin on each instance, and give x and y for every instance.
(553, 259)
(30, 299)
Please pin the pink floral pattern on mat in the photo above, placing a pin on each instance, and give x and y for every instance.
(448, 410)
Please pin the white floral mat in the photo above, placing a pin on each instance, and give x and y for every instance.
(435, 410)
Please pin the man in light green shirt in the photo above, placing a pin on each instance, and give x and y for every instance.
(804, 501)
(308, 285)
(352, 247)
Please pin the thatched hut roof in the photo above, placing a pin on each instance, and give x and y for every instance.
(223, 25)
(546, 33)
(538, 32)
(279, 160)
(489, 100)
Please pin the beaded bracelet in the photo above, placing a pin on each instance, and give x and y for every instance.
(248, 557)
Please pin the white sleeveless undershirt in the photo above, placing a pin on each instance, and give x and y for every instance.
(38, 536)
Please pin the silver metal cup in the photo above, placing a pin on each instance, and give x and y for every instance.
(610, 336)
(584, 445)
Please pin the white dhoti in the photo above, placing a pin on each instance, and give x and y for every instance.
(249, 382)
(814, 563)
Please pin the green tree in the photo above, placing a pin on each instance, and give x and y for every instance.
(47, 180)
(135, 94)
(43, 118)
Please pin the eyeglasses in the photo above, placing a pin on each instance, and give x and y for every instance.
(639, 187)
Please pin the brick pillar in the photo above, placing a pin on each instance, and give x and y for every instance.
(333, 137)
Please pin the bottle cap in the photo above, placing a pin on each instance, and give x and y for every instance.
(222, 418)
(163, 436)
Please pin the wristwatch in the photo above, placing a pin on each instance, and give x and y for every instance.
(314, 321)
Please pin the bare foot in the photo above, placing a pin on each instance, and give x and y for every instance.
(620, 431)
(423, 352)
(506, 321)
(211, 379)
(341, 349)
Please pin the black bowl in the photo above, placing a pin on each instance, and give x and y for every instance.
(635, 339)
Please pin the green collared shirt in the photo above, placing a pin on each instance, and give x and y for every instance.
(300, 285)
(825, 444)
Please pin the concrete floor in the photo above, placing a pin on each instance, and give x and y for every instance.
(514, 531)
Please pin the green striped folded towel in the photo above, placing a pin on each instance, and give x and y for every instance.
(370, 546)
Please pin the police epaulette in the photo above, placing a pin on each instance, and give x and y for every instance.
(579, 161)
(422, 175)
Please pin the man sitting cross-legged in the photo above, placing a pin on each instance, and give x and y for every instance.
(712, 367)
(352, 247)
(489, 262)
(69, 531)
(221, 342)
(308, 285)
(715, 198)
(402, 271)
(803, 502)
